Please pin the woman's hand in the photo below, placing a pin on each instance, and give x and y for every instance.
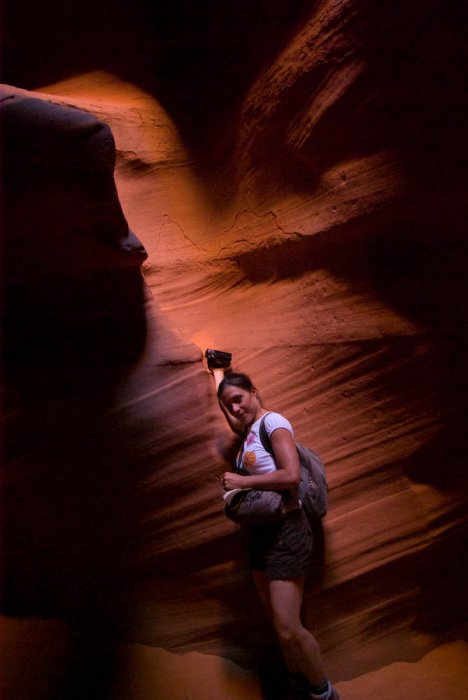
(231, 480)
(287, 476)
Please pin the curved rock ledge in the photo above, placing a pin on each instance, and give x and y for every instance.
(328, 252)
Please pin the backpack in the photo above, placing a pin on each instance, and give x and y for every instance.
(313, 489)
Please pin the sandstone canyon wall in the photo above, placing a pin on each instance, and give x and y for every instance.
(298, 180)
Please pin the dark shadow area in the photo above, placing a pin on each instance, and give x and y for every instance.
(417, 54)
(197, 59)
(443, 602)
(340, 249)
(73, 325)
(442, 460)
(95, 667)
(413, 255)
(409, 97)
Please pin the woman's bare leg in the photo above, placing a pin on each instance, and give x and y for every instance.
(263, 590)
(283, 600)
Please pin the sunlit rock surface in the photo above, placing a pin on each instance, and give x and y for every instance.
(324, 245)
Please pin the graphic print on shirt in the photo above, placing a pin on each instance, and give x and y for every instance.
(250, 438)
(255, 459)
(249, 458)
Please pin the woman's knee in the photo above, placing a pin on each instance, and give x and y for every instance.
(291, 633)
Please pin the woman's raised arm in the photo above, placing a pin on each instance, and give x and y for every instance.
(234, 424)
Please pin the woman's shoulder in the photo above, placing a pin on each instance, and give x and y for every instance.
(273, 420)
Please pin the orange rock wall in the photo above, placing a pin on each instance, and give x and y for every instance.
(316, 230)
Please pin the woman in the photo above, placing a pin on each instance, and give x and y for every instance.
(279, 554)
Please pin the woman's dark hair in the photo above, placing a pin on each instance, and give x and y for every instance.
(235, 379)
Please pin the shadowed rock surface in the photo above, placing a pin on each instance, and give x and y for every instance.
(302, 204)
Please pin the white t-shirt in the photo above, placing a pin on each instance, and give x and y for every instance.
(255, 459)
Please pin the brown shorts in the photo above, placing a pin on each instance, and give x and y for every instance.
(283, 550)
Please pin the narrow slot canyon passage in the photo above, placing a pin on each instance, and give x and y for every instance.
(284, 183)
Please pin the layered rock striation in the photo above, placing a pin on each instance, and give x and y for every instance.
(320, 239)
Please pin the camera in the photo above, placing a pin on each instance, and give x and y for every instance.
(217, 359)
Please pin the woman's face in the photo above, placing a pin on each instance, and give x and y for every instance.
(242, 404)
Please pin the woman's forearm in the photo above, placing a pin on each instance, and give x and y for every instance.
(286, 476)
(279, 480)
(218, 376)
(272, 481)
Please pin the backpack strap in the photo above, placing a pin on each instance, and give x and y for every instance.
(239, 468)
(263, 435)
(312, 491)
(266, 444)
(264, 439)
